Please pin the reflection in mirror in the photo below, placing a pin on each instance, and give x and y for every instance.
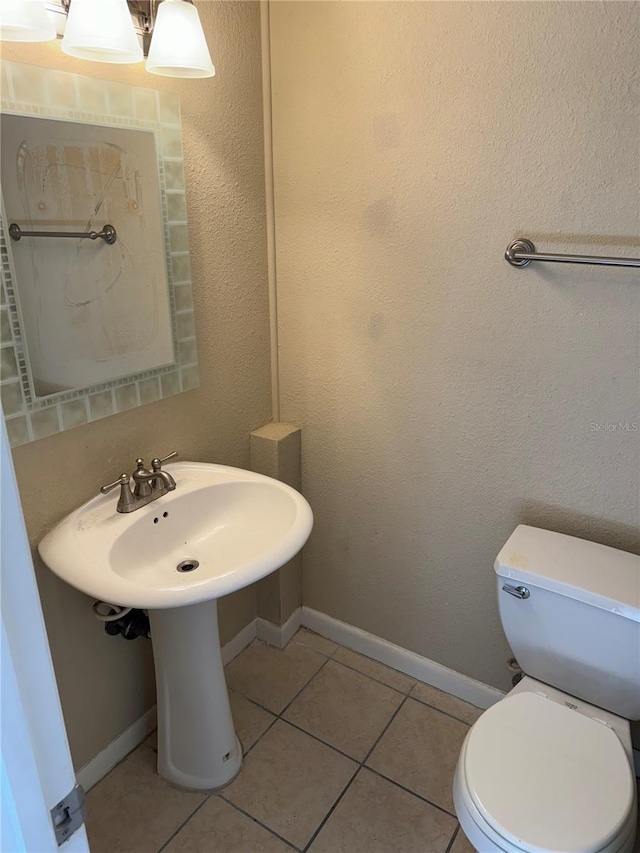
(91, 326)
(91, 311)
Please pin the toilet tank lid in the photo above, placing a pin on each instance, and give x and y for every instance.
(594, 574)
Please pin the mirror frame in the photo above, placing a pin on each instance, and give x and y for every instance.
(33, 91)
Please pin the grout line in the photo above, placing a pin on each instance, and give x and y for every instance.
(298, 642)
(258, 739)
(393, 782)
(384, 731)
(286, 707)
(304, 686)
(258, 705)
(184, 823)
(359, 671)
(323, 742)
(448, 713)
(259, 822)
(453, 838)
(335, 651)
(440, 711)
(373, 678)
(277, 717)
(253, 702)
(331, 810)
(413, 793)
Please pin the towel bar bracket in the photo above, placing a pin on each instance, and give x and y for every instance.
(525, 246)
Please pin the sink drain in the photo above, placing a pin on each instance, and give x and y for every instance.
(187, 566)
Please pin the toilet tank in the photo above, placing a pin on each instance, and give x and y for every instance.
(577, 624)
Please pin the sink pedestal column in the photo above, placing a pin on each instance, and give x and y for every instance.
(197, 743)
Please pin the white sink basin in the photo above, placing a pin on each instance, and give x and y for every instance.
(236, 525)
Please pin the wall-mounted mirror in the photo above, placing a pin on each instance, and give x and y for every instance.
(90, 326)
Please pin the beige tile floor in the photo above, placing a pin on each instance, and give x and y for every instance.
(342, 755)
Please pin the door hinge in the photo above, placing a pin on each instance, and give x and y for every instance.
(68, 815)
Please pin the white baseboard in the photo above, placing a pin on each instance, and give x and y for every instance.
(241, 640)
(278, 635)
(118, 749)
(478, 694)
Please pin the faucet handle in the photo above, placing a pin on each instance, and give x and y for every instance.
(123, 480)
(156, 464)
(126, 501)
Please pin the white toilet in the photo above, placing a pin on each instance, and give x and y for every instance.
(549, 768)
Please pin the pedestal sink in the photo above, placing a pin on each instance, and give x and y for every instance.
(220, 530)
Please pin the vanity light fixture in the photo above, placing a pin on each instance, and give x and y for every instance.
(169, 32)
(25, 20)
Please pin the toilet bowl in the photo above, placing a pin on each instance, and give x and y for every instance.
(549, 768)
(528, 766)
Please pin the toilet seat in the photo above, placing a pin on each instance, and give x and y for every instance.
(544, 778)
(485, 839)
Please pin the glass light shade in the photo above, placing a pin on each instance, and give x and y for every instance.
(101, 32)
(178, 45)
(25, 20)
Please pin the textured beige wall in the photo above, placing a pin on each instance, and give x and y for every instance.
(107, 683)
(445, 396)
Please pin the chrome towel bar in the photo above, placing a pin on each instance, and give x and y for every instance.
(108, 234)
(521, 252)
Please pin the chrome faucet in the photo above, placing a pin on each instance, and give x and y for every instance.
(148, 485)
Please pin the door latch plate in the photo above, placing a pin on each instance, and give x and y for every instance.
(68, 815)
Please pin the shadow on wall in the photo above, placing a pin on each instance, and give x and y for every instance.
(562, 520)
